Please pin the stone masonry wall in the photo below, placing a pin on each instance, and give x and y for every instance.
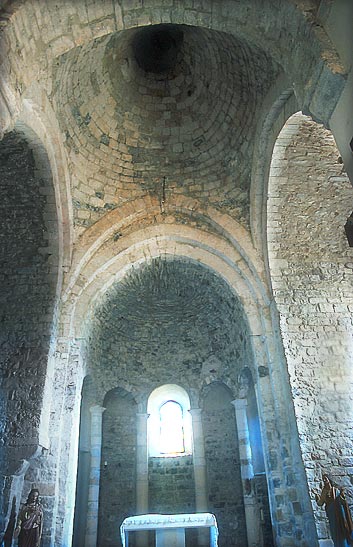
(234, 46)
(171, 485)
(167, 322)
(223, 466)
(160, 132)
(28, 274)
(175, 322)
(312, 274)
(118, 469)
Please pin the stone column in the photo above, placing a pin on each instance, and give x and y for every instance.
(199, 460)
(94, 476)
(141, 473)
(252, 513)
(199, 470)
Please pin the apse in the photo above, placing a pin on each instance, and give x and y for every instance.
(167, 340)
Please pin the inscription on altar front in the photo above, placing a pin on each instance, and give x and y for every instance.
(170, 529)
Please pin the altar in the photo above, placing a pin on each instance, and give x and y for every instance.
(170, 529)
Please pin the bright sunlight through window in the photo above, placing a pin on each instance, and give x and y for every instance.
(169, 422)
(171, 430)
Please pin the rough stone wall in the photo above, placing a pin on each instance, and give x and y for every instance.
(28, 273)
(163, 132)
(311, 270)
(36, 34)
(167, 322)
(260, 488)
(118, 469)
(32, 41)
(171, 485)
(174, 322)
(223, 466)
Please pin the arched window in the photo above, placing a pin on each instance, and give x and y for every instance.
(171, 428)
(169, 422)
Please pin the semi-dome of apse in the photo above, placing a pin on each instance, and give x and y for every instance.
(166, 317)
(158, 110)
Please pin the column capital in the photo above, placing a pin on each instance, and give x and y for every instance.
(239, 404)
(195, 411)
(142, 415)
(97, 410)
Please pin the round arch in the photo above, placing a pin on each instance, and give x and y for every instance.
(31, 271)
(309, 199)
(40, 118)
(280, 105)
(170, 241)
(158, 399)
(239, 272)
(101, 259)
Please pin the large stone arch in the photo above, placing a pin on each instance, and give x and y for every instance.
(233, 259)
(309, 198)
(117, 492)
(102, 256)
(290, 46)
(37, 124)
(38, 115)
(106, 239)
(31, 285)
(279, 106)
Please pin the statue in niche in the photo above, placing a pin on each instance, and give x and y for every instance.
(337, 511)
(30, 521)
(244, 382)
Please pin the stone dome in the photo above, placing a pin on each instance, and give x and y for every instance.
(160, 109)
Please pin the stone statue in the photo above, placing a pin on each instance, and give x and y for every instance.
(337, 511)
(244, 382)
(30, 521)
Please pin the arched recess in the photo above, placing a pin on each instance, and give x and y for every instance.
(37, 117)
(30, 282)
(115, 473)
(171, 483)
(161, 323)
(223, 463)
(234, 263)
(118, 475)
(311, 271)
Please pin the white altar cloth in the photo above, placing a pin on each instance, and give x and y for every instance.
(157, 522)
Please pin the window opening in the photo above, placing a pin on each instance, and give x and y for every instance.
(169, 422)
(171, 428)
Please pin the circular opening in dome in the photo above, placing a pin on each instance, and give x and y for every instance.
(156, 48)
